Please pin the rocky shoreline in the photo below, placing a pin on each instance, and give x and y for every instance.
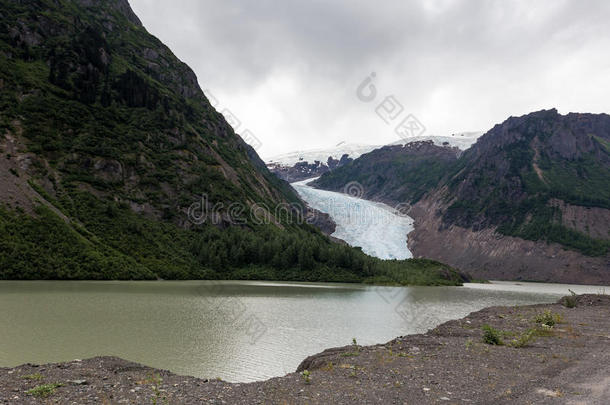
(568, 362)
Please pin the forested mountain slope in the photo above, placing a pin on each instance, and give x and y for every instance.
(107, 143)
(395, 174)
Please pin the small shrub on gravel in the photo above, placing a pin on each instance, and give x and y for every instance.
(544, 332)
(306, 376)
(33, 377)
(356, 346)
(43, 391)
(570, 301)
(491, 336)
(155, 382)
(525, 339)
(356, 351)
(548, 319)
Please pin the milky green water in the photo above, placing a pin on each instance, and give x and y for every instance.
(239, 331)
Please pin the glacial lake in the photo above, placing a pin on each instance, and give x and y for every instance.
(236, 330)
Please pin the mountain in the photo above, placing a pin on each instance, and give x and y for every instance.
(304, 170)
(353, 150)
(114, 165)
(301, 165)
(460, 140)
(530, 200)
(394, 174)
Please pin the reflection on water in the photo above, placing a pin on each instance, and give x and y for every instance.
(239, 331)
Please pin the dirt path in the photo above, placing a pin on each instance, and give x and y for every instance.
(566, 364)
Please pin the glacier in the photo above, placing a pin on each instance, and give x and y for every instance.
(380, 230)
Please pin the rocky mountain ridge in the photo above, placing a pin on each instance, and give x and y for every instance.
(301, 165)
(305, 170)
(396, 173)
(529, 200)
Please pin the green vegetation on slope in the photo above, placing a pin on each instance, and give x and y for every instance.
(395, 174)
(115, 243)
(518, 200)
(112, 122)
(118, 99)
(45, 247)
(508, 182)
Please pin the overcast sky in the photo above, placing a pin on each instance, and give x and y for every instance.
(289, 70)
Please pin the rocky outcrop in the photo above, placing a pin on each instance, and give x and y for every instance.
(394, 174)
(321, 220)
(487, 254)
(592, 221)
(305, 170)
(530, 200)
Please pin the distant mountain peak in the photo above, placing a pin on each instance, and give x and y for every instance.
(461, 140)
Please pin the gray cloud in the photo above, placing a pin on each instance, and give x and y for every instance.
(289, 69)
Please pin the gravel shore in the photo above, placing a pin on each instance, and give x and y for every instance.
(567, 363)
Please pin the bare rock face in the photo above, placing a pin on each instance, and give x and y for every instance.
(305, 170)
(109, 170)
(592, 221)
(321, 220)
(487, 254)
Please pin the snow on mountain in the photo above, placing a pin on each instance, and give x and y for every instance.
(354, 150)
(461, 140)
